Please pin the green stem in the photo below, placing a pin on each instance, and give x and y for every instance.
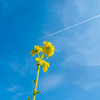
(36, 82)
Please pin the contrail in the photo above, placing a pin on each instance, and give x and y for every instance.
(69, 27)
(63, 30)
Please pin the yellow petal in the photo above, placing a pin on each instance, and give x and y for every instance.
(32, 53)
(37, 59)
(45, 68)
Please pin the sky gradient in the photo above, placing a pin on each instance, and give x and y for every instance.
(74, 72)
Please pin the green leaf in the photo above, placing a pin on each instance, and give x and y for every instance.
(34, 81)
(36, 92)
(28, 98)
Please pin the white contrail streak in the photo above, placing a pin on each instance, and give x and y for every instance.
(70, 27)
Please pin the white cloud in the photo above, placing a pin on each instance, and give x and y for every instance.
(85, 48)
(65, 10)
(50, 82)
(60, 10)
(18, 92)
(86, 85)
(46, 33)
(14, 88)
(60, 43)
(82, 7)
(22, 67)
(5, 7)
(17, 95)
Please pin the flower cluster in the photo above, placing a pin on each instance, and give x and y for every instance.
(42, 63)
(36, 50)
(47, 51)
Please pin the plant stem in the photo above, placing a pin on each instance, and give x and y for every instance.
(36, 82)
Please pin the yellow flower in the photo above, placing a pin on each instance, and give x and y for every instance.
(45, 68)
(37, 59)
(32, 52)
(48, 48)
(45, 65)
(45, 42)
(37, 49)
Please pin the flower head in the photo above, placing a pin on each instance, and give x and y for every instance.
(32, 52)
(48, 48)
(45, 68)
(47, 51)
(45, 65)
(36, 50)
(38, 59)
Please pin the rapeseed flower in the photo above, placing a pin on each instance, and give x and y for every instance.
(48, 49)
(45, 68)
(45, 65)
(38, 59)
(36, 50)
(32, 52)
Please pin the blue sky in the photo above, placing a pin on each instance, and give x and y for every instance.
(74, 72)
